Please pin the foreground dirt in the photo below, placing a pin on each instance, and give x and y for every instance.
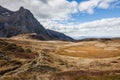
(59, 60)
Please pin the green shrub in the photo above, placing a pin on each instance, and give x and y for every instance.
(1, 51)
(20, 49)
(3, 43)
(28, 50)
(11, 47)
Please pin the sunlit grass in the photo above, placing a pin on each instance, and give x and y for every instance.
(92, 49)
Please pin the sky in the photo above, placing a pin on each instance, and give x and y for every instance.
(75, 18)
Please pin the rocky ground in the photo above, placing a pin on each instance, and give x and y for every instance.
(59, 60)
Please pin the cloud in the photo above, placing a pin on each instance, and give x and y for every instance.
(116, 5)
(44, 9)
(109, 27)
(89, 5)
(56, 9)
(48, 11)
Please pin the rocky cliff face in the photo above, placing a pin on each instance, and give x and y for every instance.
(58, 35)
(23, 22)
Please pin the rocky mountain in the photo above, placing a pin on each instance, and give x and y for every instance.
(23, 22)
(59, 35)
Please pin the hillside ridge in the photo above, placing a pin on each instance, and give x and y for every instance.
(24, 22)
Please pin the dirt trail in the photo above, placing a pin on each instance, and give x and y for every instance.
(52, 64)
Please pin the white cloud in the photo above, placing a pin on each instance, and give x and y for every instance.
(90, 5)
(105, 27)
(44, 9)
(56, 9)
(116, 5)
(47, 11)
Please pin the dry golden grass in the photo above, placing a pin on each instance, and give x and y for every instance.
(92, 49)
(97, 56)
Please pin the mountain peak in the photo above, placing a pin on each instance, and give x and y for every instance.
(24, 22)
(22, 8)
(3, 10)
(1, 7)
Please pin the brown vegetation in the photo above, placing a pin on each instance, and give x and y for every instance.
(93, 49)
(44, 60)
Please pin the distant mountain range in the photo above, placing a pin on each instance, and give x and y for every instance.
(87, 37)
(23, 22)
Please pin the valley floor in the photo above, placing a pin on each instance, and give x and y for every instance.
(60, 60)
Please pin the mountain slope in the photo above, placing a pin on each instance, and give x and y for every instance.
(58, 35)
(23, 22)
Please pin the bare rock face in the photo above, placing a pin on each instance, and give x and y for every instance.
(59, 35)
(23, 22)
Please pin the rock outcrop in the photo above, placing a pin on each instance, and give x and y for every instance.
(23, 22)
